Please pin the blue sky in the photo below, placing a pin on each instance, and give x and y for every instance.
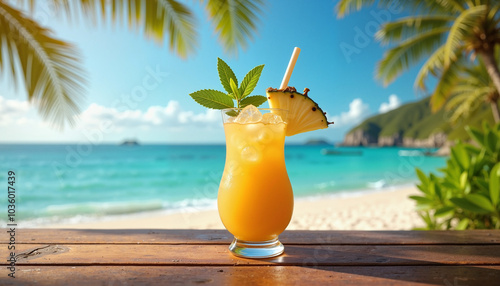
(141, 90)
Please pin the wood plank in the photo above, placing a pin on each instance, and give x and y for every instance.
(253, 275)
(305, 255)
(177, 236)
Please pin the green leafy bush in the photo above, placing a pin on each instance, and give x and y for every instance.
(467, 195)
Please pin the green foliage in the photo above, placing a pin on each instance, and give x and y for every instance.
(212, 98)
(219, 100)
(250, 81)
(225, 75)
(467, 194)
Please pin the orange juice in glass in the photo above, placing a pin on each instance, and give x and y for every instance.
(255, 198)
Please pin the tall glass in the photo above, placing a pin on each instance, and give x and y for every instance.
(255, 198)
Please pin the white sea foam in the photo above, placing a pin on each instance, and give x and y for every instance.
(354, 193)
(92, 212)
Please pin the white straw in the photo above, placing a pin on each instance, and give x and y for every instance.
(290, 67)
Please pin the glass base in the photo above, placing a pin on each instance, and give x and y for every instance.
(252, 249)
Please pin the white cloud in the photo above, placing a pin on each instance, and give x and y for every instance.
(394, 103)
(357, 111)
(170, 123)
(12, 106)
(171, 116)
(14, 111)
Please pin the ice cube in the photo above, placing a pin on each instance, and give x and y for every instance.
(265, 136)
(237, 141)
(271, 118)
(249, 114)
(250, 153)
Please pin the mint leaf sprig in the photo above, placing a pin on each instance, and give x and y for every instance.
(219, 100)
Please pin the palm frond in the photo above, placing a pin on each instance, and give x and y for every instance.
(234, 20)
(466, 103)
(493, 13)
(474, 3)
(439, 6)
(460, 30)
(409, 52)
(461, 88)
(471, 91)
(448, 78)
(450, 5)
(477, 76)
(409, 26)
(431, 67)
(345, 7)
(29, 4)
(466, 94)
(156, 19)
(175, 18)
(49, 67)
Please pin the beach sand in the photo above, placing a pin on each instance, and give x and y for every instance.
(383, 210)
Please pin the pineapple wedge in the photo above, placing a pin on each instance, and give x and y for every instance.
(303, 113)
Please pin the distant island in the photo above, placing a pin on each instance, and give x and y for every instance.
(411, 125)
(317, 142)
(129, 143)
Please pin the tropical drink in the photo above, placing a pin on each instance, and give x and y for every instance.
(255, 197)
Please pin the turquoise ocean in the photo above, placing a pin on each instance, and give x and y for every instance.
(79, 182)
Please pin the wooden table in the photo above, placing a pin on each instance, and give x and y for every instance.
(194, 257)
